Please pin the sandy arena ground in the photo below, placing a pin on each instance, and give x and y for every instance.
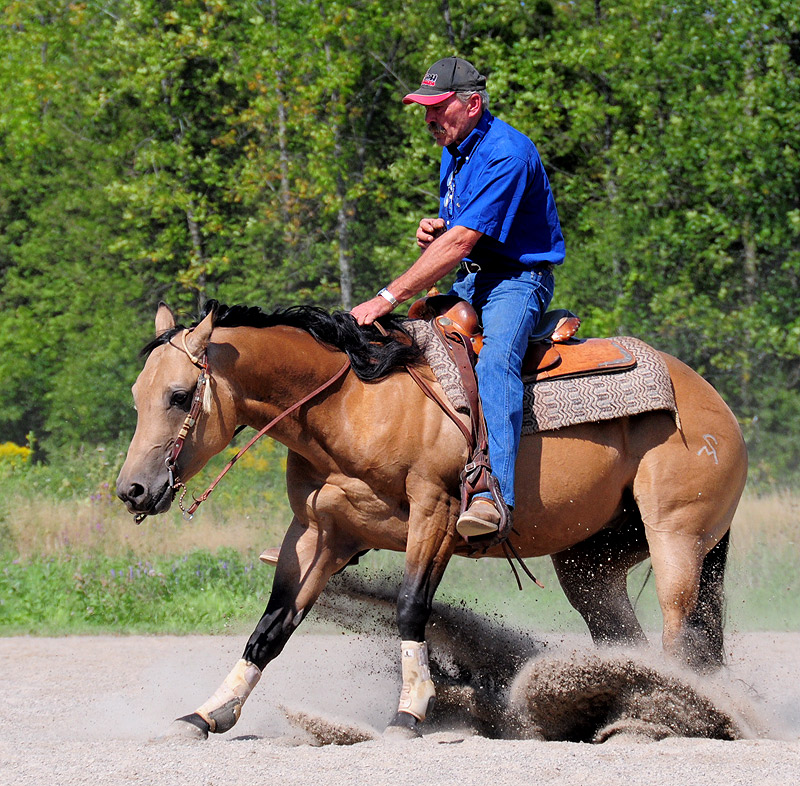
(86, 710)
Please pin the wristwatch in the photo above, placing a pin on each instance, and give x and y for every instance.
(388, 296)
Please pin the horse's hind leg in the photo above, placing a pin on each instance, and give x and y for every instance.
(687, 487)
(687, 508)
(689, 584)
(593, 575)
(706, 621)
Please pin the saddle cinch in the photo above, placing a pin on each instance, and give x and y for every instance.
(553, 352)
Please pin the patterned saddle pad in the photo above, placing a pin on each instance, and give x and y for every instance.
(557, 403)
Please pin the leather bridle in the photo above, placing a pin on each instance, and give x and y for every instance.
(191, 420)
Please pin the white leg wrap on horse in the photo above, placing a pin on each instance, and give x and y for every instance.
(418, 690)
(222, 710)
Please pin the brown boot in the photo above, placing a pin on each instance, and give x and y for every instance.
(270, 556)
(480, 518)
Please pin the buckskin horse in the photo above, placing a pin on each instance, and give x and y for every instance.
(374, 463)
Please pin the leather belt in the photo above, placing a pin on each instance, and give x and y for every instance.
(468, 266)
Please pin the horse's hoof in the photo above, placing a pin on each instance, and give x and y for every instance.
(189, 727)
(402, 727)
(400, 734)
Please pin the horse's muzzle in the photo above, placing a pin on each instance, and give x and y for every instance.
(140, 501)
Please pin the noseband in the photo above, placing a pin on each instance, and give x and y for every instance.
(200, 392)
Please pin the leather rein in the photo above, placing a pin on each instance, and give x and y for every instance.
(191, 420)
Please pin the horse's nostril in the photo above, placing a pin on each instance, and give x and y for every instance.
(135, 491)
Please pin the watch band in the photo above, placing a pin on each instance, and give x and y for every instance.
(387, 295)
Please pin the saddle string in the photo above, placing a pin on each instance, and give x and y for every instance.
(509, 547)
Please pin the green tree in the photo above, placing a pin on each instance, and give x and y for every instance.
(63, 308)
(257, 151)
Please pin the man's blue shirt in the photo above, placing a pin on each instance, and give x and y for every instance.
(494, 182)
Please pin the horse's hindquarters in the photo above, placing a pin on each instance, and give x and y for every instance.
(690, 481)
(687, 489)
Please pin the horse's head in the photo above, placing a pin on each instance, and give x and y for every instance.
(171, 442)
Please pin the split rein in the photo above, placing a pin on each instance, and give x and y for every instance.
(201, 401)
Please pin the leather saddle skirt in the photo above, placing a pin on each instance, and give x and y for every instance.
(575, 358)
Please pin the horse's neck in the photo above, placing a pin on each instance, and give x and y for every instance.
(270, 369)
(347, 429)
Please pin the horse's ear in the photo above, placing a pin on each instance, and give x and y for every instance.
(165, 319)
(197, 338)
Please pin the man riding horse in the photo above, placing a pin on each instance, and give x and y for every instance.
(498, 222)
(648, 485)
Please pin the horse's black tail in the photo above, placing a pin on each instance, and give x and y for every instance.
(706, 622)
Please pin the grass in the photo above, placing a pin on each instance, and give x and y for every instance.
(72, 560)
(71, 594)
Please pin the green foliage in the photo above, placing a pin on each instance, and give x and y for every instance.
(257, 152)
(200, 591)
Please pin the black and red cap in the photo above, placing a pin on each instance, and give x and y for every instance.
(444, 78)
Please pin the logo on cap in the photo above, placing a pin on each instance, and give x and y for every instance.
(430, 79)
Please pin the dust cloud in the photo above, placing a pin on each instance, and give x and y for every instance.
(501, 682)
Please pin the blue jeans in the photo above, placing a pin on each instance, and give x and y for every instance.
(509, 305)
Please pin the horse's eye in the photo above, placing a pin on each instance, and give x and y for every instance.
(180, 399)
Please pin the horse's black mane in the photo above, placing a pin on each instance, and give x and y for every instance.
(372, 354)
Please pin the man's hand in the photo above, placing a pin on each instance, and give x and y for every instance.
(428, 230)
(442, 255)
(366, 313)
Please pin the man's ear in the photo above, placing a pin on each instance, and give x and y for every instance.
(475, 105)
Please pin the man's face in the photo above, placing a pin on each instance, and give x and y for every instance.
(451, 121)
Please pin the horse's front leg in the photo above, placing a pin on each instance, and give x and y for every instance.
(428, 550)
(307, 560)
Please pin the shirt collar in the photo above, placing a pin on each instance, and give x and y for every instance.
(463, 150)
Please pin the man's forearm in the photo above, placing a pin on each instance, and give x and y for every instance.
(439, 259)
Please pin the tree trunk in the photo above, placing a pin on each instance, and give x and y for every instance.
(283, 153)
(197, 245)
(448, 21)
